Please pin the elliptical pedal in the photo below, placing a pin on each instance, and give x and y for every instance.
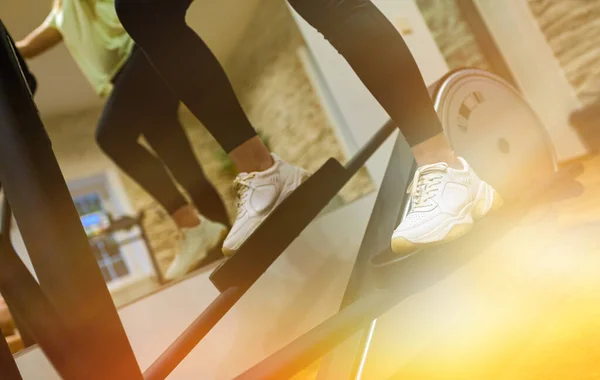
(291, 217)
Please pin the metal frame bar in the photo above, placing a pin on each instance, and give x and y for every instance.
(336, 364)
(5, 228)
(8, 366)
(52, 232)
(28, 304)
(186, 342)
(234, 277)
(42, 189)
(39, 196)
(384, 217)
(292, 216)
(394, 281)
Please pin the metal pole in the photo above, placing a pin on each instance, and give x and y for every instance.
(343, 362)
(6, 243)
(50, 226)
(8, 366)
(31, 308)
(317, 342)
(185, 343)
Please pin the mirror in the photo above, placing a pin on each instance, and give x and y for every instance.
(133, 238)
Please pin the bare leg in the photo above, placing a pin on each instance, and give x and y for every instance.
(434, 150)
(186, 217)
(251, 156)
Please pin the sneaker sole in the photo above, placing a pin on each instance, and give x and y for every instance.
(479, 209)
(302, 176)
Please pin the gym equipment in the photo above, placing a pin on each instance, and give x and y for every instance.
(67, 271)
(236, 275)
(37, 192)
(8, 366)
(532, 65)
(380, 279)
(491, 125)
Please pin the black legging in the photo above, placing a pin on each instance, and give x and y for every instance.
(142, 104)
(356, 28)
(29, 77)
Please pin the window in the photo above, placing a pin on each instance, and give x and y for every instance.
(95, 219)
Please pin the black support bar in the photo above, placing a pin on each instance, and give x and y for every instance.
(234, 277)
(49, 224)
(397, 279)
(280, 228)
(180, 348)
(8, 366)
(291, 217)
(31, 308)
(303, 351)
(384, 218)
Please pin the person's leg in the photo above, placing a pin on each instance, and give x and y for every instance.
(194, 74)
(381, 59)
(139, 103)
(445, 194)
(118, 133)
(168, 139)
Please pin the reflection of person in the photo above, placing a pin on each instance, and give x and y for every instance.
(139, 104)
(446, 195)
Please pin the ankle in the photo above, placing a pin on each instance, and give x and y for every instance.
(452, 161)
(256, 165)
(186, 217)
(263, 165)
(436, 150)
(252, 156)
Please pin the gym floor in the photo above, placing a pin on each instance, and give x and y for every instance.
(525, 307)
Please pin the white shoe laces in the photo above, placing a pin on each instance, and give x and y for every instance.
(241, 185)
(425, 184)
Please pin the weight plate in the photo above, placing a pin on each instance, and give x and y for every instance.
(493, 127)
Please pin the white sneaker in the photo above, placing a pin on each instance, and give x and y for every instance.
(258, 194)
(194, 246)
(443, 204)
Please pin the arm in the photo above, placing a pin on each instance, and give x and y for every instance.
(43, 37)
(37, 42)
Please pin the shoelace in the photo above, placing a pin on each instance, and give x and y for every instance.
(425, 184)
(241, 185)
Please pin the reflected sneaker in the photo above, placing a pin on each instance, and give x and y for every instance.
(443, 204)
(195, 244)
(258, 194)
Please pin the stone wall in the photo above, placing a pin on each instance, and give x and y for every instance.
(573, 31)
(572, 28)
